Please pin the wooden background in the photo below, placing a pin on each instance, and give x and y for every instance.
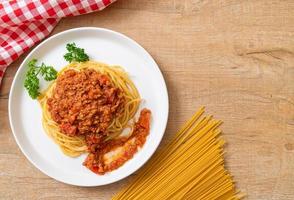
(234, 57)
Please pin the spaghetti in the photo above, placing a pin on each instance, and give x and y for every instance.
(190, 167)
(76, 145)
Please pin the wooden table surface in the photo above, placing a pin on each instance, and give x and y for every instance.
(234, 57)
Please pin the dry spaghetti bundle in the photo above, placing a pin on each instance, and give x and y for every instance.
(190, 167)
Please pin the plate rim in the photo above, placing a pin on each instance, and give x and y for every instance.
(12, 89)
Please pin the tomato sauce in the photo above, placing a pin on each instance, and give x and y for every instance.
(84, 103)
(130, 145)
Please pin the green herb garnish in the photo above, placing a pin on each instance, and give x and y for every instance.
(75, 53)
(31, 82)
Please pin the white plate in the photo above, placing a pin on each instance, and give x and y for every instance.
(101, 45)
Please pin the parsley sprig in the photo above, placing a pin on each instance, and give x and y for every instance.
(75, 53)
(31, 82)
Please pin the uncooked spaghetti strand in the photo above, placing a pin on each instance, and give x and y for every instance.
(208, 181)
(192, 179)
(214, 184)
(176, 169)
(199, 163)
(185, 188)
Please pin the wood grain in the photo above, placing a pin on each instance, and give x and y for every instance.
(234, 57)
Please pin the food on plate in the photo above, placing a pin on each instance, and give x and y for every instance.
(91, 107)
(86, 109)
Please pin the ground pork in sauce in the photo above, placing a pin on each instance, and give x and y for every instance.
(84, 102)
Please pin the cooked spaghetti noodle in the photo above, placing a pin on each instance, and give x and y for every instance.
(75, 145)
(190, 167)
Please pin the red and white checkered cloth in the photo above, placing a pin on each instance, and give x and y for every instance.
(23, 23)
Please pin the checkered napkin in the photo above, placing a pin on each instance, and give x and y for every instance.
(23, 23)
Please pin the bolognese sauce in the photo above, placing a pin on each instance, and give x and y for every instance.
(85, 103)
